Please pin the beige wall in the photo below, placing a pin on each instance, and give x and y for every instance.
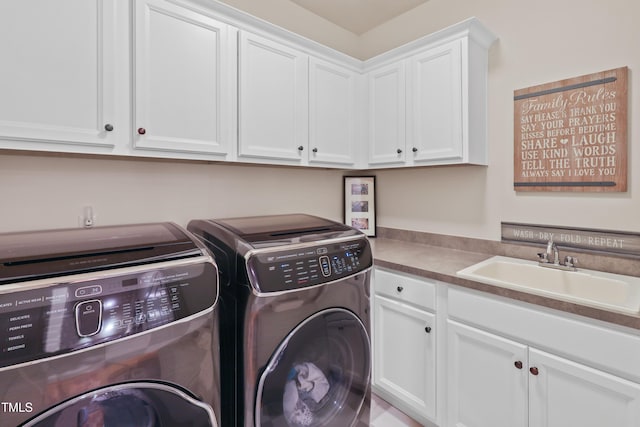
(299, 20)
(51, 191)
(538, 43)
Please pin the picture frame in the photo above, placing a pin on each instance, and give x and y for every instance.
(360, 203)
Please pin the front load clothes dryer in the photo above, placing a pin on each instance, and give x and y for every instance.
(294, 301)
(108, 327)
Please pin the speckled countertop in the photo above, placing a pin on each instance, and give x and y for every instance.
(441, 263)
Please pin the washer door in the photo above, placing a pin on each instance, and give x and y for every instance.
(139, 404)
(318, 376)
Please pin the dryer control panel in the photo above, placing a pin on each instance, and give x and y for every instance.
(304, 266)
(44, 321)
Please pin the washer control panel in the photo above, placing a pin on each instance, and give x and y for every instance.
(64, 317)
(288, 269)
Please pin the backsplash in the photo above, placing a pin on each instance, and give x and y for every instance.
(612, 263)
(606, 242)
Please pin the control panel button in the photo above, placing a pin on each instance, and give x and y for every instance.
(89, 318)
(325, 266)
(88, 291)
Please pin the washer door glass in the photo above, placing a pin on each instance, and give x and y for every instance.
(129, 405)
(318, 376)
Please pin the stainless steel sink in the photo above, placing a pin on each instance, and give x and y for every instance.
(595, 288)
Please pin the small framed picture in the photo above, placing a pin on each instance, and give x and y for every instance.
(360, 203)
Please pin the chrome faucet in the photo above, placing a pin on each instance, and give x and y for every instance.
(544, 258)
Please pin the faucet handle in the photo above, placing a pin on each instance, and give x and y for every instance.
(543, 257)
(570, 261)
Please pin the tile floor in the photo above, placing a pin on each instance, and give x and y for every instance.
(385, 415)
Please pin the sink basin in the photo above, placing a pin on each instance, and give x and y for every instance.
(595, 288)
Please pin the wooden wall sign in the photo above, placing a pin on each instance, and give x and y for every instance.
(571, 135)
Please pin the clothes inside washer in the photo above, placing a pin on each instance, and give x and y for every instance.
(304, 392)
(127, 408)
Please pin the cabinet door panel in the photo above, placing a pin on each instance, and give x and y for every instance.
(273, 92)
(387, 114)
(332, 113)
(565, 393)
(435, 100)
(404, 353)
(485, 388)
(57, 74)
(182, 93)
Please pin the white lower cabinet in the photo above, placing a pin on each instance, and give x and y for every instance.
(494, 381)
(404, 343)
(486, 389)
(482, 360)
(564, 393)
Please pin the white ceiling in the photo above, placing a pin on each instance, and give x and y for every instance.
(358, 16)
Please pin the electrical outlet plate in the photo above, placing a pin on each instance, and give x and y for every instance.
(88, 217)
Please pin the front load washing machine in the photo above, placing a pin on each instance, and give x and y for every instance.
(109, 326)
(294, 301)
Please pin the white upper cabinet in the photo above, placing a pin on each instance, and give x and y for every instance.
(435, 103)
(273, 101)
(195, 79)
(183, 80)
(59, 75)
(332, 114)
(387, 114)
(428, 99)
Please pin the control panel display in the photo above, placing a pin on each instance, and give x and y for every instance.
(277, 271)
(64, 317)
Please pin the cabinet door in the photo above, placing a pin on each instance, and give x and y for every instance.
(564, 393)
(58, 74)
(387, 114)
(404, 354)
(435, 105)
(332, 113)
(273, 96)
(487, 379)
(183, 81)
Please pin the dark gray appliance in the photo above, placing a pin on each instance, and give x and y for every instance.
(109, 326)
(294, 301)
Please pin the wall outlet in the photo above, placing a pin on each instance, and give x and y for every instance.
(88, 217)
